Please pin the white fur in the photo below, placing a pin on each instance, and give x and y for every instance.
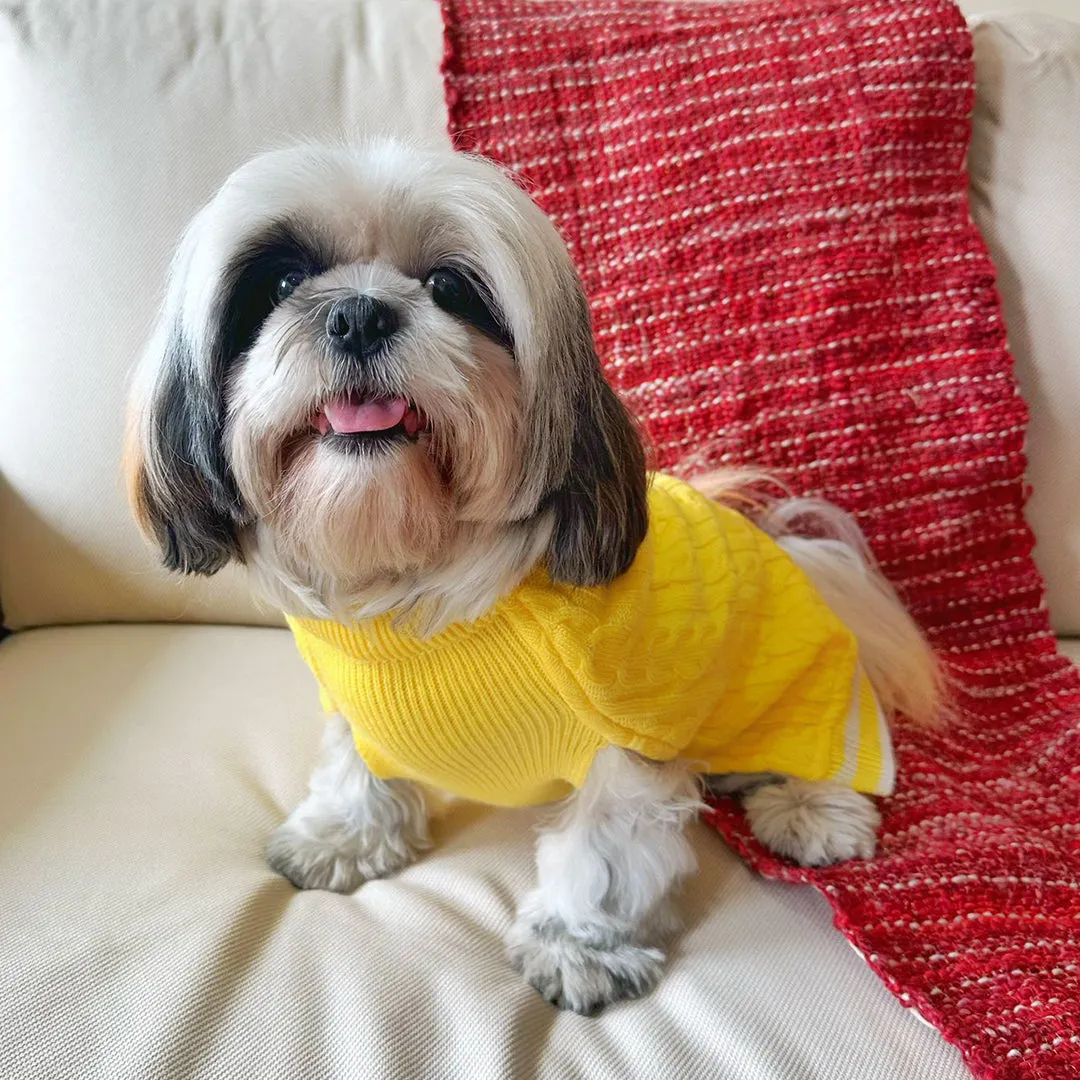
(813, 824)
(829, 547)
(352, 827)
(593, 930)
(816, 824)
(893, 652)
(332, 537)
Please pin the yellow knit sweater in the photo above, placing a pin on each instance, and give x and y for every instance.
(713, 647)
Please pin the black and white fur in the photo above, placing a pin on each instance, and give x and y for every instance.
(524, 454)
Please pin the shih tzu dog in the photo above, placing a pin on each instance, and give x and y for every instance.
(374, 384)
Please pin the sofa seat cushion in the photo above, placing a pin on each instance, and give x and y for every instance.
(141, 933)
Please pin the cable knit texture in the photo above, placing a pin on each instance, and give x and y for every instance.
(713, 646)
(768, 206)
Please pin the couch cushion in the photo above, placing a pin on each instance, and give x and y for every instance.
(1024, 163)
(117, 120)
(142, 935)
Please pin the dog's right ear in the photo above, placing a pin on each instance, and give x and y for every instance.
(179, 484)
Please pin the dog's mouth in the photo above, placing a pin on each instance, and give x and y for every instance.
(358, 420)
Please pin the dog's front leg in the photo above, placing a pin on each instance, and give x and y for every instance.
(593, 930)
(352, 826)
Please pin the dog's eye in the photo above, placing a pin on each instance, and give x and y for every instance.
(452, 290)
(458, 294)
(288, 284)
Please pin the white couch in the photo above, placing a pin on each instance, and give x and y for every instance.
(153, 732)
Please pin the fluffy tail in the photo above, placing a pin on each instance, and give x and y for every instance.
(836, 557)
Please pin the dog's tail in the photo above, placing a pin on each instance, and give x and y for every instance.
(827, 544)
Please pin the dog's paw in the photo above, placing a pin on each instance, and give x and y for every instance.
(328, 855)
(813, 824)
(585, 972)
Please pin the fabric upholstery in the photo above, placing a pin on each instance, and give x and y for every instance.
(142, 936)
(1061, 9)
(1024, 164)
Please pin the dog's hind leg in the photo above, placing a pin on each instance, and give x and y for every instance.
(812, 823)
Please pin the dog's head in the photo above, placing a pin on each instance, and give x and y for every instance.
(375, 371)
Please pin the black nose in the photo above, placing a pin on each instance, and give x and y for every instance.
(360, 324)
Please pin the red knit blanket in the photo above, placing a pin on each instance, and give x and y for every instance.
(768, 205)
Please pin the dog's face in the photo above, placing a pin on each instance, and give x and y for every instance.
(374, 367)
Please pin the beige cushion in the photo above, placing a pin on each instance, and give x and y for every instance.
(1025, 176)
(141, 934)
(1063, 9)
(117, 120)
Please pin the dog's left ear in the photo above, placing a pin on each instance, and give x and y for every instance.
(600, 508)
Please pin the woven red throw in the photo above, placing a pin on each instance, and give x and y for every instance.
(768, 206)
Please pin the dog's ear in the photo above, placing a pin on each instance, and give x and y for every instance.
(582, 450)
(600, 510)
(179, 484)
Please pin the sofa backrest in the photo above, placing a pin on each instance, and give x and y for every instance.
(1025, 185)
(119, 120)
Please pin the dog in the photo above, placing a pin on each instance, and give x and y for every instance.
(374, 384)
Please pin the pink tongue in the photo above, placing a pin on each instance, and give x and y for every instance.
(348, 417)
